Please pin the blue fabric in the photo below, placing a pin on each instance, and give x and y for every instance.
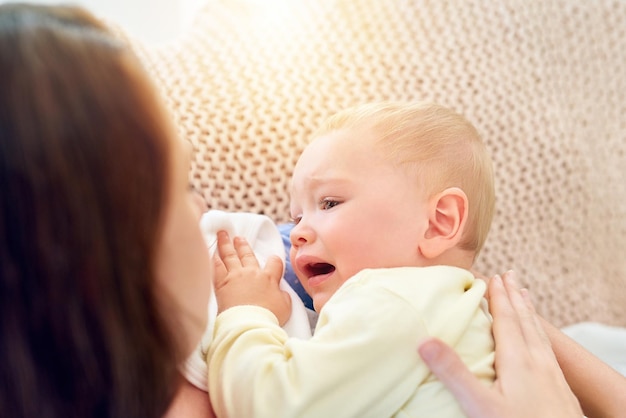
(290, 276)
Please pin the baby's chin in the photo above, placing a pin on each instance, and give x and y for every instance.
(319, 301)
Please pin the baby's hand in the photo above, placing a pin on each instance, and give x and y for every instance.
(239, 280)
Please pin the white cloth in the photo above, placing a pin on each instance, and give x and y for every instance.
(362, 359)
(264, 238)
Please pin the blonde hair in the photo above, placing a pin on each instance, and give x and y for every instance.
(439, 146)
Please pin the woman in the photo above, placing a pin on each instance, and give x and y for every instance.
(104, 275)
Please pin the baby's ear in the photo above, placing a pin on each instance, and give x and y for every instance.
(447, 215)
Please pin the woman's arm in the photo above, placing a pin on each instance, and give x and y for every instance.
(529, 381)
(600, 389)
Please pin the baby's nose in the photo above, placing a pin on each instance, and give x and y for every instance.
(300, 234)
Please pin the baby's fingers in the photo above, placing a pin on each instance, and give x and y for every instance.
(274, 267)
(235, 253)
(219, 269)
(245, 253)
(226, 251)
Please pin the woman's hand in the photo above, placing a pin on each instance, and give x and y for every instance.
(529, 380)
(239, 280)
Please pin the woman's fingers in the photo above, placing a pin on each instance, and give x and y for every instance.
(539, 326)
(535, 338)
(506, 324)
(525, 315)
(529, 381)
(472, 395)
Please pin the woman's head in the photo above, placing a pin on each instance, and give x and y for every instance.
(88, 175)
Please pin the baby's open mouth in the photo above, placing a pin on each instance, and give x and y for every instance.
(318, 269)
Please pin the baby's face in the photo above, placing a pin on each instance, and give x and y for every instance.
(354, 210)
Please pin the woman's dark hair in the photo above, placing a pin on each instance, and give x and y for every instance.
(83, 175)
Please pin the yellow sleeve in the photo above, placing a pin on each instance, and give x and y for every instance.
(361, 362)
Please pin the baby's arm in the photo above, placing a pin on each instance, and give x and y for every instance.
(256, 370)
(360, 362)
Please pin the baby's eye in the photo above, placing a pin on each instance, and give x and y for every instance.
(295, 219)
(328, 203)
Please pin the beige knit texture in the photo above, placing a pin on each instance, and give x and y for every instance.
(544, 81)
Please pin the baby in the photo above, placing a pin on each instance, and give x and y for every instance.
(392, 202)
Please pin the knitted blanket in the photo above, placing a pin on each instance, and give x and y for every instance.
(544, 81)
